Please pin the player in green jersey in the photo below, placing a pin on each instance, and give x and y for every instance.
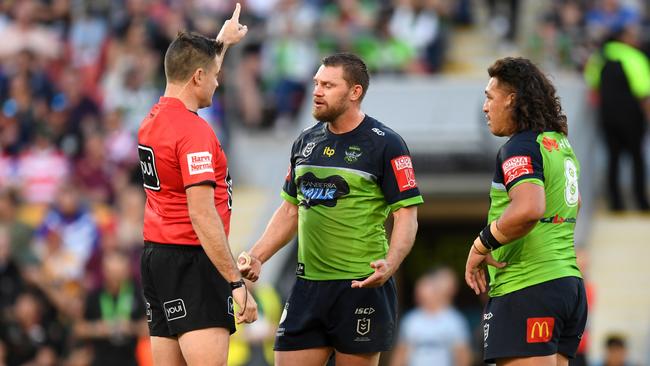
(537, 308)
(348, 172)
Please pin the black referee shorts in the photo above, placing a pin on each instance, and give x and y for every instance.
(539, 320)
(331, 314)
(183, 290)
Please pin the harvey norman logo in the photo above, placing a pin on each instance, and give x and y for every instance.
(539, 330)
(200, 162)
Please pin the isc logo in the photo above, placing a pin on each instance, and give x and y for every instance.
(364, 311)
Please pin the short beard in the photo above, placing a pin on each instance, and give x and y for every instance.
(329, 114)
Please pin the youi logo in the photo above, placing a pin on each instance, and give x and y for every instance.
(174, 309)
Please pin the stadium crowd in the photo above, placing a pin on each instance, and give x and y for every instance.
(76, 79)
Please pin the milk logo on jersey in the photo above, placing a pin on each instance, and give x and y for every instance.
(404, 173)
(352, 154)
(148, 167)
(515, 167)
(363, 326)
(174, 309)
(308, 149)
(199, 162)
(316, 191)
(378, 131)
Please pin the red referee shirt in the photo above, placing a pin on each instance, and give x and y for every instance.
(178, 150)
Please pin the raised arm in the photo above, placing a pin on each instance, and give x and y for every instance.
(231, 33)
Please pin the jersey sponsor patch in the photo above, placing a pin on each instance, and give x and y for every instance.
(404, 173)
(200, 162)
(539, 330)
(326, 191)
(148, 167)
(515, 167)
(550, 144)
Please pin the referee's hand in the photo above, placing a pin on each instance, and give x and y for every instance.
(232, 32)
(247, 305)
(475, 274)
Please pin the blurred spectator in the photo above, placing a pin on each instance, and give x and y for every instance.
(290, 55)
(250, 89)
(615, 351)
(609, 16)
(114, 315)
(419, 24)
(41, 169)
(560, 41)
(620, 74)
(20, 234)
(504, 15)
(25, 33)
(434, 333)
(80, 113)
(11, 283)
(19, 117)
(29, 335)
(93, 171)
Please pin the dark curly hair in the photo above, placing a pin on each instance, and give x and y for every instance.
(537, 107)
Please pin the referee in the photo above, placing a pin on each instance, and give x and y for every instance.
(537, 309)
(189, 276)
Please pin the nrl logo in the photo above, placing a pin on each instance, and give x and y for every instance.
(352, 154)
(308, 149)
(363, 326)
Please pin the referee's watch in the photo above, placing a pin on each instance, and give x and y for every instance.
(237, 284)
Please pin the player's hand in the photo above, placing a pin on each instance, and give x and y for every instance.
(247, 305)
(475, 268)
(383, 271)
(249, 266)
(232, 32)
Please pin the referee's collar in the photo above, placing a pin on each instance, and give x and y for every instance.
(172, 102)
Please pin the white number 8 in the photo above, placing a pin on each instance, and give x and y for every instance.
(571, 193)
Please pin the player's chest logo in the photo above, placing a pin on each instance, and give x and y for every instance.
(326, 191)
(352, 154)
(308, 149)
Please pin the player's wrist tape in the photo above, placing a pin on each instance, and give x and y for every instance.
(237, 284)
(488, 240)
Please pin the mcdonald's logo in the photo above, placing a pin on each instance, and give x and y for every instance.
(539, 330)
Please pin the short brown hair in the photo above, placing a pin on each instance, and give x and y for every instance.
(188, 52)
(355, 71)
(537, 106)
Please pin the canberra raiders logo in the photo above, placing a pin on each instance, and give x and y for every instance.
(352, 154)
(316, 191)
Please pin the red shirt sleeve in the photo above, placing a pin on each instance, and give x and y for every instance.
(197, 154)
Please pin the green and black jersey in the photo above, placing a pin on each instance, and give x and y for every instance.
(547, 252)
(345, 186)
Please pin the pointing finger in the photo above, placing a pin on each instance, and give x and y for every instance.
(235, 14)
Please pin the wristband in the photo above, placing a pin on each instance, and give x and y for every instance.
(488, 240)
(237, 284)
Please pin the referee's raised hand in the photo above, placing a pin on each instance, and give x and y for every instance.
(232, 32)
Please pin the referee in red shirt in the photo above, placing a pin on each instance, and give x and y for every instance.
(189, 276)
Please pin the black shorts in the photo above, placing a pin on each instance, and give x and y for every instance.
(183, 290)
(331, 314)
(539, 320)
